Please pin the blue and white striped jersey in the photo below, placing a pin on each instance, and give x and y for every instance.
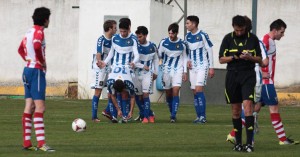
(173, 55)
(123, 50)
(199, 50)
(148, 57)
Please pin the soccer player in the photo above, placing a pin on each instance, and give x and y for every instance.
(145, 73)
(172, 51)
(240, 50)
(100, 75)
(125, 55)
(32, 51)
(200, 64)
(269, 95)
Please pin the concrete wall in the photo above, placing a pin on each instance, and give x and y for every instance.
(215, 19)
(89, 30)
(61, 39)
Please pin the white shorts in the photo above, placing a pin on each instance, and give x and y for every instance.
(172, 79)
(143, 82)
(99, 77)
(198, 77)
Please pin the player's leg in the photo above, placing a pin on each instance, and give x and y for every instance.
(110, 111)
(124, 106)
(257, 106)
(269, 97)
(38, 91)
(139, 97)
(95, 102)
(175, 103)
(28, 110)
(146, 107)
(97, 84)
(167, 86)
(201, 76)
(192, 76)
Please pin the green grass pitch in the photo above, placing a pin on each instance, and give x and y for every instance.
(161, 139)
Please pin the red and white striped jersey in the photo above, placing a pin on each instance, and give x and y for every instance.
(271, 52)
(32, 48)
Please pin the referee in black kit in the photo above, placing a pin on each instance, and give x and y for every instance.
(240, 50)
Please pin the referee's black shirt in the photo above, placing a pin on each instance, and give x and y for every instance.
(234, 45)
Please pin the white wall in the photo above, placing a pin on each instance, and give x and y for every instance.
(89, 30)
(215, 19)
(61, 38)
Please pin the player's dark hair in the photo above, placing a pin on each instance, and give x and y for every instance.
(119, 85)
(125, 19)
(194, 19)
(239, 21)
(174, 27)
(124, 25)
(248, 23)
(277, 24)
(141, 30)
(108, 24)
(40, 16)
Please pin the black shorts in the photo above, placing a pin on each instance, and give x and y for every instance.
(239, 86)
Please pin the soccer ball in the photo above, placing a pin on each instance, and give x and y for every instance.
(79, 125)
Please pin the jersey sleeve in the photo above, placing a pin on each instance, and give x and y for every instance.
(38, 37)
(110, 53)
(155, 61)
(208, 46)
(135, 52)
(185, 58)
(161, 49)
(21, 50)
(100, 45)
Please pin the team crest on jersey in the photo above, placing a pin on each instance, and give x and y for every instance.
(128, 42)
(177, 46)
(197, 37)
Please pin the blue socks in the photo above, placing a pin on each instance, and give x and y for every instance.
(95, 102)
(196, 104)
(140, 105)
(175, 105)
(169, 102)
(201, 103)
(146, 107)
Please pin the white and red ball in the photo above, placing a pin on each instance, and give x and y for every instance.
(79, 125)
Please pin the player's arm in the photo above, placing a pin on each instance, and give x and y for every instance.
(155, 62)
(113, 96)
(109, 56)
(132, 103)
(21, 51)
(208, 46)
(99, 51)
(265, 59)
(135, 54)
(223, 53)
(161, 49)
(38, 37)
(115, 102)
(185, 59)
